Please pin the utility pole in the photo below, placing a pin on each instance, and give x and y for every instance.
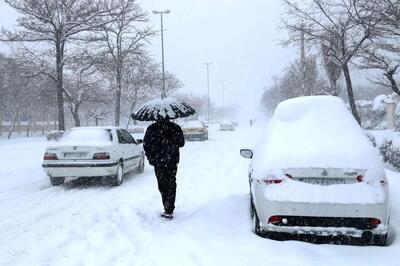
(223, 95)
(161, 13)
(208, 90)
(303, 59)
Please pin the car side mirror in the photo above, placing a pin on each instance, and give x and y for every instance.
(139, 141)
(246, 153)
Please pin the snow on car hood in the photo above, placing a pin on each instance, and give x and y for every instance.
(316, 131)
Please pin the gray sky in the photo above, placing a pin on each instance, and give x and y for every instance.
(240, 38)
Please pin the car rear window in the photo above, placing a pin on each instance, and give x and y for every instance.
(88, 134)
(189, 124)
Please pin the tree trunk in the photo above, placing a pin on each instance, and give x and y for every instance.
(130, 115)
(334, 87)
(393, 83)
(118, 96)
(14, 121)
(75, 114)
(59, 84)
(28, 127)
(77, 120)
(350, 93)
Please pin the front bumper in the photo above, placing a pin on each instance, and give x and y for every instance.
(80, 169)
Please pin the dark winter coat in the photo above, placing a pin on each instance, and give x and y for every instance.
(162, 142)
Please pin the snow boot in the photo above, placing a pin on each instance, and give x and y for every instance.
(166, 215)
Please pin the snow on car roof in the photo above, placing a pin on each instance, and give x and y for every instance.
(88, 135)
(316, 131)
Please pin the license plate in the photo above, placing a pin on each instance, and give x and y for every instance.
(323, 181)
(75, 154)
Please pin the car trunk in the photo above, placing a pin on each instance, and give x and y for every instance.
(76, 152)
(326, 176)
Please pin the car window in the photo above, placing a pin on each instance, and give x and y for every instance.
(128, 137)
(121, 138)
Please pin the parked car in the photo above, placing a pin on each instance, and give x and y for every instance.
(93, 152)
(195, 130)
(316, 176)
(55, 135)
(226, 126)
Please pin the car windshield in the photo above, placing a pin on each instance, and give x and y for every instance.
(189, 124)
(88, 134)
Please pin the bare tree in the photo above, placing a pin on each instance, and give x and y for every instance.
(83, 82)
(383, 52)
(343, 26)
(120, 42)
(56, 23)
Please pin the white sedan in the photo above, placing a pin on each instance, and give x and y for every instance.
(92, 152)
(316, 176)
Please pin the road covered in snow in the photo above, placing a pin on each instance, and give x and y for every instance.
(83, 223)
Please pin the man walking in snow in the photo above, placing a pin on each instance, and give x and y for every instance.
(161, 144)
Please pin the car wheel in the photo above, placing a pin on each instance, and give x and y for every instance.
(380, 240)
(119, 176)
(251, 206)
(57, 181)
(256, 224)
(141, 164)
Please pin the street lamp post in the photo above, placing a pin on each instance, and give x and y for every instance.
(208, 90)
(161, 13)
(223, 95)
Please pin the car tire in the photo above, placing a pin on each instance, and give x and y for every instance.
(380, 240)
(256, 224)
(119, 175)
(57, 181)
(251, 207)
(140, 168)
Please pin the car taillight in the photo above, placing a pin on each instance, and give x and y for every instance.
(360, 178)
(50, 156)
(274, 219)
(375, 221)
(101, 156)
(272, 181)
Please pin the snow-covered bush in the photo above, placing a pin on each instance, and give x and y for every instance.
(371, 138)
(373, 113)
(390, 153)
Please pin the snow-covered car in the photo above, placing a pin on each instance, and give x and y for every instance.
(316, 176)
(93, 152)
(226, 126)
(195, 130)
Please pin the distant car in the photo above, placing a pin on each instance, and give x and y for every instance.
(317, 177)
(93, 152)
(195, 130)
(54, 135)
(227, 126)
(135, 129)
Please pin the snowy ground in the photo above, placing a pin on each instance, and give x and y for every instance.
(96, 224)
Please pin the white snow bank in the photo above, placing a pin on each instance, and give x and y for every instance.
(316, 131)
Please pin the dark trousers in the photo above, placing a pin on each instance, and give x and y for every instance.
(166, 178)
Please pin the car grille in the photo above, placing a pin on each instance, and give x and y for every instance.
(311, 221)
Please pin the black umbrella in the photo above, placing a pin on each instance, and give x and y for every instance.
(161, 109)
